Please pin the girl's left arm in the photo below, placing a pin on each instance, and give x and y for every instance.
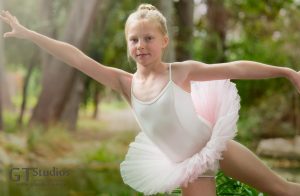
(198, 71)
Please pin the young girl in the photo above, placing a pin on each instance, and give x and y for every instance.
(187, 111)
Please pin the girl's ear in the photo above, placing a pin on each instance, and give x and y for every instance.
(165, 41)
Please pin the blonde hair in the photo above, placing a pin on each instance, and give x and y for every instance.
(149, 12)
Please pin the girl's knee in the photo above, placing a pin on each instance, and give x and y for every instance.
(283, 188)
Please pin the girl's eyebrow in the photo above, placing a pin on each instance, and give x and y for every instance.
(144, 35)
(131, 36)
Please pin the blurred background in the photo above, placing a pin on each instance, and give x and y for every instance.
(53, 117)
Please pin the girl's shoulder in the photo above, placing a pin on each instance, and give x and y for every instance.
(183, 67)
(185, 64)
(180, 71)
(179, 66)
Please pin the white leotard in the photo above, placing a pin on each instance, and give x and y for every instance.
(171, 122)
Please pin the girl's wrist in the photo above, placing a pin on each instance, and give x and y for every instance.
(27, 34)
(289, 73)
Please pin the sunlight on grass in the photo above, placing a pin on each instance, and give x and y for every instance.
(88, 123)
(10, 122)
(112, 150)
(53, 142)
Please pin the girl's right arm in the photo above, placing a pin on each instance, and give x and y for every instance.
(108, 76)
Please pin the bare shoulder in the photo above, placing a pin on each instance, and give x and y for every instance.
(184, 68)
(187, 71)
(190, 64)
(179, 72)
(187, 65)
(179, 68)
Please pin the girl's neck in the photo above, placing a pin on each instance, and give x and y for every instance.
(144, 72)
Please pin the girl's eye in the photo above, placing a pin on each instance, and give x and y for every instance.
(149, 38)
(133, 40)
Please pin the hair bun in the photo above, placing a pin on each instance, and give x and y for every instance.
(148, 7)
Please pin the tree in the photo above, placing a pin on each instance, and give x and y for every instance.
(46, 15)
(62, 86)
(2, 80)
(167, 9)
(216, 30)
(184, 36)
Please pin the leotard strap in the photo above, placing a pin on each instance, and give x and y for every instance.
(170, 71)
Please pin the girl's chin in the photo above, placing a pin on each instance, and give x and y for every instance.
(142, 61)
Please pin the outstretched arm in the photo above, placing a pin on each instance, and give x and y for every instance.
(69, 54)
(239, 70)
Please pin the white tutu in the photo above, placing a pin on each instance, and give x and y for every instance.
(148, 170)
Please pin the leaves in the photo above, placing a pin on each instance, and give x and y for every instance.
(229, 186)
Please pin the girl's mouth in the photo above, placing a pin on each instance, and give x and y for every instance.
(142, 55)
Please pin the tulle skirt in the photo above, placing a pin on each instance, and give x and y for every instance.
(148, 170)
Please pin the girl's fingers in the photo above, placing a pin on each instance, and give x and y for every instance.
(7, 15)
(3, 12)
(4, 19)
(8, 18)
(13, 18)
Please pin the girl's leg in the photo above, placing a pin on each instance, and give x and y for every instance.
(205, 186)
(240, 163)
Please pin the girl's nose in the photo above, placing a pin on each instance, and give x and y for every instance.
(141, 45)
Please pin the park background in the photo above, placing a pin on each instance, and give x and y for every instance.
(52, 116)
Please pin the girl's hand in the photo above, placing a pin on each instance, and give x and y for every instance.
(18, 30)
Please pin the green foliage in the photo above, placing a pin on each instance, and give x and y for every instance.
(229, 186)
(48, 143)
(103, 155)
(112, 150)
(10, 125)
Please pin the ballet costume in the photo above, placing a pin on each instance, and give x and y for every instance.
(182, 135)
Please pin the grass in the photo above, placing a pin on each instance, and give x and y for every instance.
(229, 186)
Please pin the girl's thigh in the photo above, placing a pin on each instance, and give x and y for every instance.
(205, 186)
(240, 163)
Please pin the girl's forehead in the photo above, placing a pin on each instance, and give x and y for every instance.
(142, 26)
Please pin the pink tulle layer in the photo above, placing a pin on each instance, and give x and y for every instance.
(148, 170)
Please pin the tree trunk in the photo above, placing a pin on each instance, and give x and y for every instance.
(1, 111)
(96, 102)
(296, 113)
(184, 37)
(59, 81)
(2, 79)
(46, 15)
(70, 113)
(25, 89)
(217, 18)
(167, 9)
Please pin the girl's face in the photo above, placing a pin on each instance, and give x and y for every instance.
(145, 41)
